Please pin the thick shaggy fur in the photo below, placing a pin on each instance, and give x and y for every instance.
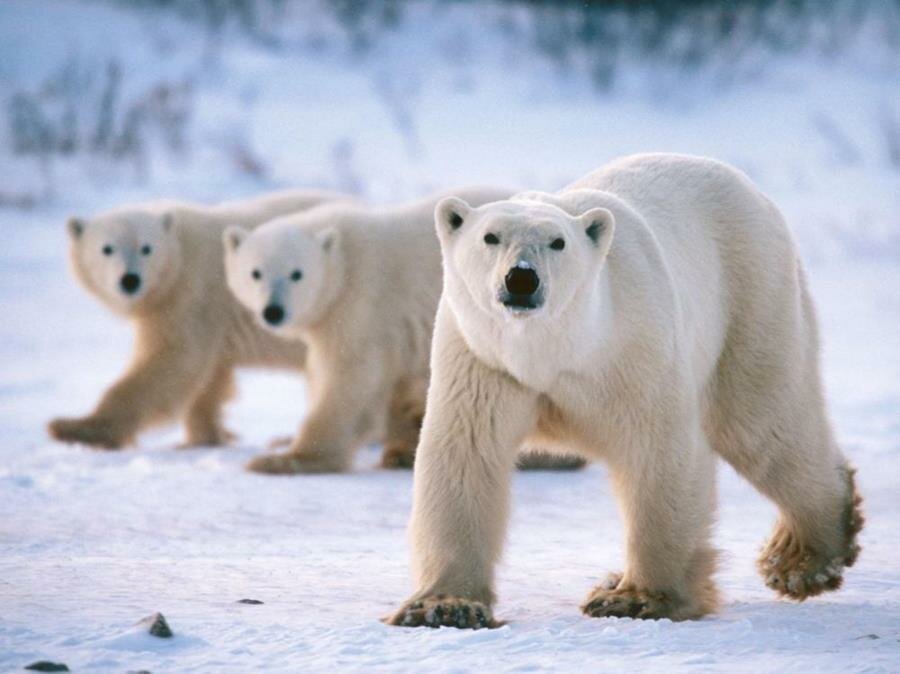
(190, 333)
(367, 283)
(672, 327)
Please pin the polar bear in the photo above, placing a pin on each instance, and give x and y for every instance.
(160, 265)
(360, 286)
(653, 314)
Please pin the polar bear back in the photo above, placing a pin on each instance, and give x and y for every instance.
(699, 248)
(699, 254)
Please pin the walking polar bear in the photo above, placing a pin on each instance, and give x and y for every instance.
(160, 265)
(653, 314)
(359, 286)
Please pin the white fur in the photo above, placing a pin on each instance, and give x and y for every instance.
(364, 304)
(190, 333)
(675, 324)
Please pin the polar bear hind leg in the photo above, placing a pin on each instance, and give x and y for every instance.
(405, 414)
(769, 421)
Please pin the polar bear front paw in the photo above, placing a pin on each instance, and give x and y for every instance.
(210, 437)
(291, 463)
(92, 431)
(445, 611)
(611, 599)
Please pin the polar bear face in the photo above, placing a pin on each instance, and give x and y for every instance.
(285, 275)
(126, 258)
(518, 260)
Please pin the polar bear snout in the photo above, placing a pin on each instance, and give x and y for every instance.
(130, 283)
(273, 314)
(522, 281)
(521, 288)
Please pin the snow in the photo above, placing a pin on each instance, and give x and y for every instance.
(92, 542)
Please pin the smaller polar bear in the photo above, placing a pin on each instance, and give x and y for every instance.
(160, 265)
(655, 315)
(360, 287)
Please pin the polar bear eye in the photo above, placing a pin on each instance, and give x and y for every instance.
(558, 244)
(107, 250)
(256, 274)
(296, 275)
(146, 250)
(491, 239)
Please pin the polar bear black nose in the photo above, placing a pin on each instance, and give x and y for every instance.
(273, 314)
(522, 281)
(130, 282)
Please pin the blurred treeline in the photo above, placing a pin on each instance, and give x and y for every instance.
(107, 112)
(596, 33)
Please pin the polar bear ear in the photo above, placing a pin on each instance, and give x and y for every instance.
(598, 225)
(75, 227)
(233, 237)
(329, 238)
(167, 221)
(450, 214)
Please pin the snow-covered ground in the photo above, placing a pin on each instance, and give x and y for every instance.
(92, 542)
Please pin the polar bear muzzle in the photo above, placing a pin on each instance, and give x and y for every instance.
(521, 288)
(273, 314)
(130, 283)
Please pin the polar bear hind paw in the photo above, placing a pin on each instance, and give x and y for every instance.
(398, 456)
(795, 571)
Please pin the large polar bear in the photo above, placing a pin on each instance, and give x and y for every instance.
(360, 286)
(160, 265)
(653, 314)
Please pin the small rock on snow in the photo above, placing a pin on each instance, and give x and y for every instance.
(157, 626)
(47, 666)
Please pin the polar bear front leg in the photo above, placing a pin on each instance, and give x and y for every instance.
(156, 388)
(203, 422)
(476, 418)
(341, 416)
(667, 497)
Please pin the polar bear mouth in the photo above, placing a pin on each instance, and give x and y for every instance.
(521, 304)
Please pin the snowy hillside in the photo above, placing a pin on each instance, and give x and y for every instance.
(104, 102)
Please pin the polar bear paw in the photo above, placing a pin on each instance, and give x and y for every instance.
(291, 463)
(93, 431)
(398, 455)
(611, 599)
(794, 570)
(210, 437)
(444, 611)
(538, 460)
(797, 572)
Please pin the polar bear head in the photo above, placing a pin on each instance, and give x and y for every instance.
(518, 259)
(128, 258)
(284, 273)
